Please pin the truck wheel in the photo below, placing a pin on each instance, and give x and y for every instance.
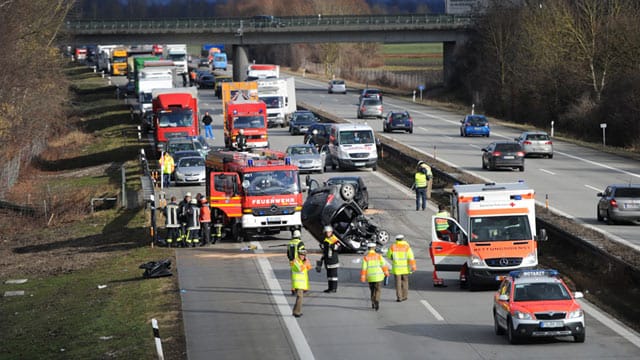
(471, 282)
(348, 192)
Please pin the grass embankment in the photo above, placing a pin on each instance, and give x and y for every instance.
(412, 57)
(69, 253)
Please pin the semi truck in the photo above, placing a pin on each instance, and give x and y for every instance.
(491, 231)
(280, 97)
(178, 54)
(153, 75)
(119, 61)
(236, 90)
(175, 114)
(104, 57)
(252, 193)
(262, 71)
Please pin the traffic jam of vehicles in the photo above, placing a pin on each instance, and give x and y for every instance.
(485, 237)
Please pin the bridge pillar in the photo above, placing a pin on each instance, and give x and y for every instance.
(240, 62)
(449, 50)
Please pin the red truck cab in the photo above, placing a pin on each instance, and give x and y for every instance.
(175, 114)
(251, 117)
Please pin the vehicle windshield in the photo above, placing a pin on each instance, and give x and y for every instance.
(628, 192)
(372, 102)
(177, 57)
(338, 82)
(191, 162)
(350, 137)
(176, 118)
(181, 146)
(272, 102)
(304, 119)
(302, 150)
(399, 117)
(219, 58)
(146, 97)
(279, 182)
(500, 228)
(540, 291)
(537, 137)
(246, 122)
(508, 147)
(117, 59)
(477, 121)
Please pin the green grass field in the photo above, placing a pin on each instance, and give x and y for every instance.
(406, 57)
(418, 48)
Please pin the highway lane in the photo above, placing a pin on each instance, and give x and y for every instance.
(571, 179)
(226, 310)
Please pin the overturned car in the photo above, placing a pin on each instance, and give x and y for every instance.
(334, 204)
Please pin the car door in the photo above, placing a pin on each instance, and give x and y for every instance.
(223, 188)
(502, 306)
(448, 255)
(486, 153)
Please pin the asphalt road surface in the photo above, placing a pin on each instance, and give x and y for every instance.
(236, 302)
(571, 179)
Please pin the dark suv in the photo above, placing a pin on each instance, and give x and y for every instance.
(619, 202)
(503, 154)
(321, 135)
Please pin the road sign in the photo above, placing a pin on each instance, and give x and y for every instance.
(421, 87)
(603, 125)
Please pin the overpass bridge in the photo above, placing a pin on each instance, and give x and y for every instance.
(239, 33)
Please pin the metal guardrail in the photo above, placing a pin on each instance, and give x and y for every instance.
(233, 24)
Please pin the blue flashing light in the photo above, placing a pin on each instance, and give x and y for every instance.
(476, 198)
(287, 161)
(285, 212)
(517, 197)
(260, 111)
(235, 112)
(250, 162)
(521, 181)
(533, 273)
(261, 213)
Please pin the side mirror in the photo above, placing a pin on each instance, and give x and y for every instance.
(578, 295)
(461, 121)
(543, 235)
(516, 139)
(245, 184)
(484, 149)
(599, 194)
(503, 297)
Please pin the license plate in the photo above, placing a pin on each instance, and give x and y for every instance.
(477, 128)
(358, 164)
(631, 206)
(551, 324)
(509, 157)
(273, 219)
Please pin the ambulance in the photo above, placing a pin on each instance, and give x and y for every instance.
(491, 231)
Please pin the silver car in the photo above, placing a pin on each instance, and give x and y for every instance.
(370, 108)
(619, 202)
(337, 86)
(190, 170)
(536, 143)
(307, 158)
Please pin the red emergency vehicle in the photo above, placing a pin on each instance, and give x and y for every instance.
(175, 114)
(251, 117)
(252, 193)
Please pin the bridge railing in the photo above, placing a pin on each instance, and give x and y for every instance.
(280, 22)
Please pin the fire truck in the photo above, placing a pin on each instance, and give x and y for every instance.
(252, 193)
(491, 231)
(250, 117)
(175, 114)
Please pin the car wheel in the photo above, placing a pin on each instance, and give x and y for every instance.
(359, 116)
(410, 131)
(471, 283)
(382, 237)
(521, 168)
(348, 192)
(496, 327)
(484, 164)
(511, 333)
(550, 156)
(579, 338)
(375, 167)
(610, 221)
(492, 165)
(461, 134)
(488, 135)
(598, 216)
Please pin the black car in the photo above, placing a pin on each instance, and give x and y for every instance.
(318, 134)
(203, 62)
(206, 81)
(398, 120)
(361, 194)
(503, 154)
(301, 121)
(334, 205)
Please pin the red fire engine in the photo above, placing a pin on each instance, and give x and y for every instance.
(251, 117)
(252, 193)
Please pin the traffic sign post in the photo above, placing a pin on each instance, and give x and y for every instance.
(603, 126)
(552, 123)
(421, 88)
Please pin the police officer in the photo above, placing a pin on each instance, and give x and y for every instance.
(330, 247)
(172, 223)
(403, 263)
(300, 267)
(422, 177)
(374, 270)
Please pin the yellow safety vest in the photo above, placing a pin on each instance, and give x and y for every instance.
(402, 258)
(421, 180)
(442, 224)
(167, 164)
(299, 274)
(374, 268)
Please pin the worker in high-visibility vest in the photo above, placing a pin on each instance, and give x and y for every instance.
(403, 263)
(300, 267)
(443, 233)
(295, 245)
(374, 270)
(422, 177)
(167, 165)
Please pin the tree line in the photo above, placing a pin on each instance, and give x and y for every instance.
(573, 62)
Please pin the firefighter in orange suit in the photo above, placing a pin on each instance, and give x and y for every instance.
(300, 267)
(374, 271)
(403, 263)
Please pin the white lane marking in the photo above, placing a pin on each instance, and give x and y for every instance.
(297, 336)
(423, 128)
(548, 172)
(475, 146)
(599, 164)
(611, 323)
(592, 188)
(432, 310)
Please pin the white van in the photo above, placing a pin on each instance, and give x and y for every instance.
(352, 146)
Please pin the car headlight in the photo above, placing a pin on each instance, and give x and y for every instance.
(531, 259)
(522, 315)
(576, 314)
(476, 260)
